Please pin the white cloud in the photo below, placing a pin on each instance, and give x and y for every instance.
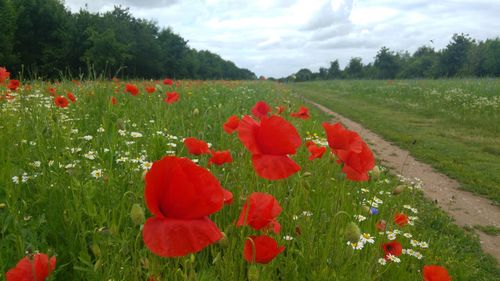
(278, 37)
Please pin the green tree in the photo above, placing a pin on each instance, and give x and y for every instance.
(8, 24)
(334, 71)
(303, 75)
(454, 56)
(354, 69)
(386, 63)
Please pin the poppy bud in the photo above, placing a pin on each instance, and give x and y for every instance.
(2, 206)
(224, 242)
(306, 174)
(380, 225)
(95, 250)
(352, 232)
(366, 209)
(253, 273)
(376, 172)
(137, 214)
(196, 111)
(97, 265)
(398, 189)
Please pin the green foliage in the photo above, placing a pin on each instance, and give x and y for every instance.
(49, 41)
(455, 123)
(92, 224)
(462, 57)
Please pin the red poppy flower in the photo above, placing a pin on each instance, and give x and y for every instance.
(4, 74)
(132, 89)
(401, 219)
(37, 268)
(113, 100)
(261, 249)
(270, 141)
(357, 165)
(13, 84)
(380, 225)
(228, 197)
(342, 141)
(231, 124)
(52, 91)
(435, 273)
(280, 109)
(168, 81)
(260, 211)
(196, 146)
(181, 195)
(315, 150)
(71, 97)
(150, 89)
(302, 113)
(61, 102)
(220, 157)
(171, 97)
(260, 109)
(392, 248)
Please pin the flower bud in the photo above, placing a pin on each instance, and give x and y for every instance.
(398, 189)
(137, 214)
(352, 232)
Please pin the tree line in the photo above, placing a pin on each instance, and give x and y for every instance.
(462, 57)
(42, 38)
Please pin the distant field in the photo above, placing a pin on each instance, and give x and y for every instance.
(454, 125)
(71, 176)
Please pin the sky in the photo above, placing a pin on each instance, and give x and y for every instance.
(276, 38)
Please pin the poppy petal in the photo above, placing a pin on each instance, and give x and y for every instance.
(277, 136)
(178, 188)
(261, 249)
(274, 167)
(247, 131)
(168, 237)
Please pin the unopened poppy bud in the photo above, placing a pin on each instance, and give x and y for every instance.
(2, 206)
(352, 232)
(95, 250)
(137, 214)
(196, 111)
(366, 209)
(376, 172)
(253, 273)
(380, 225)
(306, 174)
(224, 241)
(398, 189)
(97, 265)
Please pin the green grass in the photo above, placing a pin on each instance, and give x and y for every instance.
(489, 229)
(455, 123)
(64, 211)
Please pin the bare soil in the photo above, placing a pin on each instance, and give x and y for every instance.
(466, 208)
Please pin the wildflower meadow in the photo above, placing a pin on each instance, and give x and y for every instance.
(206, 180)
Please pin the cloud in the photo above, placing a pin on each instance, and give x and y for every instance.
(335, 12)
(279, 37)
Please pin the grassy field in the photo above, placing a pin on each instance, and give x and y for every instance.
(70, 177)
(454, 125)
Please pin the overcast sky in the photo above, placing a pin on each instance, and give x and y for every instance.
(278, 37)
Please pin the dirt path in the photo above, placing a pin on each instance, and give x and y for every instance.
(466, 208)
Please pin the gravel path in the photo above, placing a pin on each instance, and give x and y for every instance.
(466, 208)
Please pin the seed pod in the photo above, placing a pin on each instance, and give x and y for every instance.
(352, 232)
(2, 206)
(137, 214)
